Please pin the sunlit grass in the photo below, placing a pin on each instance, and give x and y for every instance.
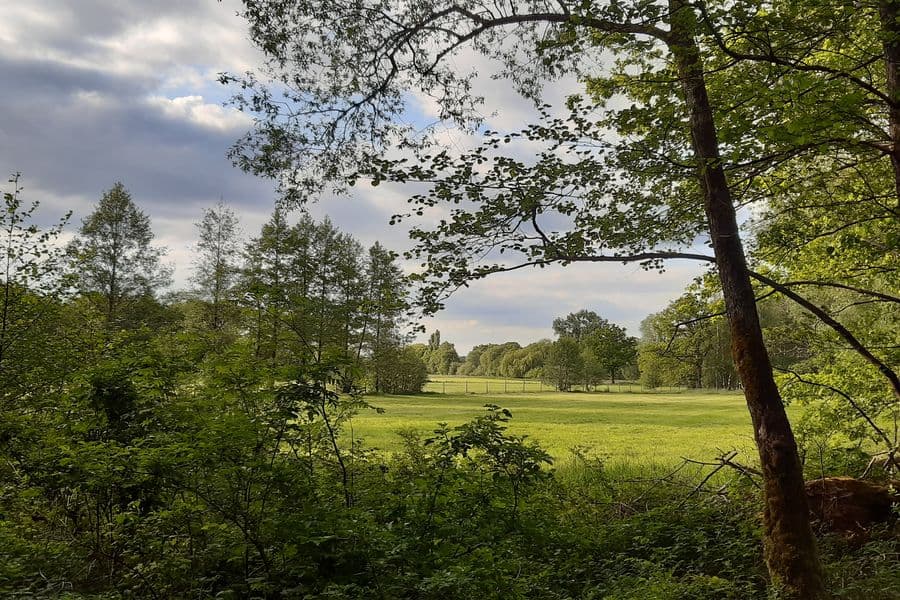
(628, 427)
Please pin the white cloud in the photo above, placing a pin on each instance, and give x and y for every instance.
(195, 110)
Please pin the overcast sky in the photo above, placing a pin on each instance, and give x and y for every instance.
(95, 92)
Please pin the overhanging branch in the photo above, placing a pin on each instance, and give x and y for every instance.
(885, 370)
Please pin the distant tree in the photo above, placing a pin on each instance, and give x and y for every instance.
(612, 348)
(515, 363)
(443, 360)
(114, 259)
(686, 344)
(471, 365)
(434, 340)
(592, 371)
(534, 358)
(579, 324)
(217, 262)
(605, 347)
(492, 357)
(400, 371)
(564, 365)
(421, 350)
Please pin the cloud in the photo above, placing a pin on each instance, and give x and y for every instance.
(127, 91)
(193, 110)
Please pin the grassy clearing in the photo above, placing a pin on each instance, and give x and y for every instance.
(624, 428)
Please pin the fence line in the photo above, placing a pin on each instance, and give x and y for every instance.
(481, 386)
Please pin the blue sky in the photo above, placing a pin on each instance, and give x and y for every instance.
(96, 92)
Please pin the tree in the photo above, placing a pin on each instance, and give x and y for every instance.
(440, 357)
(261, 285)
(525, 362)
(612, 347)
(399, 371)
(685, 344)
(443, 360)
(114, 259)
(492, 356)
(30, 276)
(670, 181)
(216, 265)
(607, 348)
(472, 360)
(385, 310)
(843, 257)
(434, 340)
(564, 364)
(579, 325)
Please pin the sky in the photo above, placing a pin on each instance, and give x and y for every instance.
(94, 92)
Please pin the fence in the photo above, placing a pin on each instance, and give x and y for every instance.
(484, 385)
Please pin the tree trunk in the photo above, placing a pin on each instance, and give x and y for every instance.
(790, 547)
(698, 374)
(889, 12)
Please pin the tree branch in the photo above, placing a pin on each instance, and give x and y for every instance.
(885, 370)
(856, 407)
(858, 290)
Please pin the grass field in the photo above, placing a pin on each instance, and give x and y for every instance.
(626, 427)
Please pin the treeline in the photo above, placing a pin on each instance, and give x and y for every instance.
(589, 349)
(687, 344)
(297, 295)
(310, 294)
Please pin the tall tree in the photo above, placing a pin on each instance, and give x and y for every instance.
(30, 285)
(262, 285)
(216, 265)
(434, 340)
(661, 180)
(114, 259)
(384, 311)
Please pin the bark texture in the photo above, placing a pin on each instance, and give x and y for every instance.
(790, 547)
(889, 12)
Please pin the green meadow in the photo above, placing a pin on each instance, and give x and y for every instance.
(655, 428)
